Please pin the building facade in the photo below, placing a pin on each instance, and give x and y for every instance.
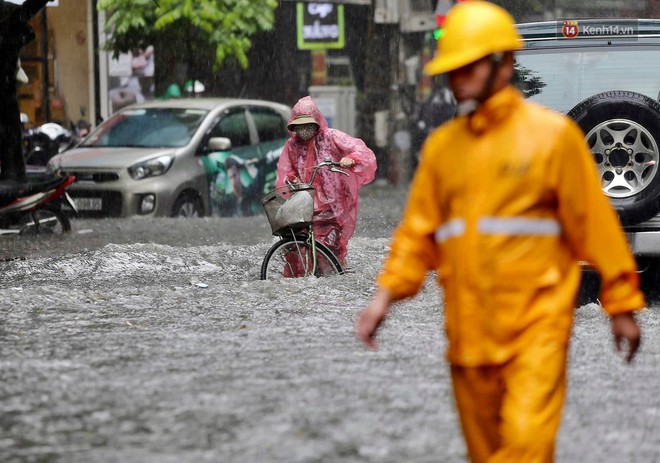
(385, 46)
(59, 64)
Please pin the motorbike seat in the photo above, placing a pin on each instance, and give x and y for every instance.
(11, 190)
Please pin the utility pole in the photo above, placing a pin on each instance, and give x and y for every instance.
(394, 43)
(381, 40)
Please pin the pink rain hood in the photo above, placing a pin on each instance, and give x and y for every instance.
(335, 193)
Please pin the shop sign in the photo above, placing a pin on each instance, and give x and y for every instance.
(320, 26)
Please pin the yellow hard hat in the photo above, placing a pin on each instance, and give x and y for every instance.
(473, 30)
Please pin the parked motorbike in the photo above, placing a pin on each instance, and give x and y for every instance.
(43, 142)
(36, 207)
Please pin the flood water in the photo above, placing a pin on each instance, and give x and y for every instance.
(155, 341)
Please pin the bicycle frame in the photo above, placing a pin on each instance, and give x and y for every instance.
(310, 238)
(304, 235)
(310, 235)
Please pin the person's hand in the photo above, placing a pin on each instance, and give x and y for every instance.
(346, 162)
(371, 318)
(624, 326)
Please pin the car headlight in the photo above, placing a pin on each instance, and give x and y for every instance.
(151, 168)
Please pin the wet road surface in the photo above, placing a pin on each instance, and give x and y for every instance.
(154, 341)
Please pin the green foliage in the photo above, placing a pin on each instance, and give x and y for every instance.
(226, 25)
(527, 81)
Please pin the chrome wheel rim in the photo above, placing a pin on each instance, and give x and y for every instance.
(626, 155)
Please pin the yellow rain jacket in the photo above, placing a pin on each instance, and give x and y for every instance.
(504, 205)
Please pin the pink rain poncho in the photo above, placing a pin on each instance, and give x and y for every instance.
(336, 200)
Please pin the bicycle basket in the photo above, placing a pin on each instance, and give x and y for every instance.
(289, 208)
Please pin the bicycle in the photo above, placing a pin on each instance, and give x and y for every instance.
(290, 212)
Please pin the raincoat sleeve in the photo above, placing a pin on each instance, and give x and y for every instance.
(285, 167)
(364, 169)
(591, 224)
(413, 252)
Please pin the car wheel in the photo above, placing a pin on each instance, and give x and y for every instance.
(623, 132)
(188, 205)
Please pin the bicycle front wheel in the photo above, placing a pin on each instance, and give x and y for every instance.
(292, 257)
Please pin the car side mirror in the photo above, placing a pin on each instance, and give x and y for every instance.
(219, 144)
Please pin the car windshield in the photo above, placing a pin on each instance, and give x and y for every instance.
(560, 78)
(148, 128)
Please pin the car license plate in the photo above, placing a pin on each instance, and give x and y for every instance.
(88, 204)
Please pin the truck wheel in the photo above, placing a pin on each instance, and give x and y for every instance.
(623, 132)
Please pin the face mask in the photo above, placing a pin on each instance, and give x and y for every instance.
(307, 131)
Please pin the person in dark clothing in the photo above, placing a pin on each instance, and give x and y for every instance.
(15, 32)
(437, 109)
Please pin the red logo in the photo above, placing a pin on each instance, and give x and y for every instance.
(570, 29)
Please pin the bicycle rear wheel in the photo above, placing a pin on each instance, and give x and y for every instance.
(292, 257)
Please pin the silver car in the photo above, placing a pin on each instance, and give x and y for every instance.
(159, 158)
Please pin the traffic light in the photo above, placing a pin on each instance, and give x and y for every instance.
(441, 10)
(439, 21)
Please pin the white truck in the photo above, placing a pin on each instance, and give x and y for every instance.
(605, 74)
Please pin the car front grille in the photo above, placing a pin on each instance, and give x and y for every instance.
(94, 177)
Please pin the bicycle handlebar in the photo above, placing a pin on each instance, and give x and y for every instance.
(333, 165)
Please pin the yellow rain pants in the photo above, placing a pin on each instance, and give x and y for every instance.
(511, 413)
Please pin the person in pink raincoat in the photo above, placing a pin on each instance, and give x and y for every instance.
(336, 201)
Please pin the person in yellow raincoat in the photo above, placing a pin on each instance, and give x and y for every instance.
(504, 205)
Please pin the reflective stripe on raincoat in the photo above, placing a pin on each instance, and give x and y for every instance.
(336, 194)
(504, 205)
